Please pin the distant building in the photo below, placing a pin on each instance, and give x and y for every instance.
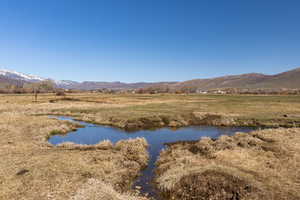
(201, 91)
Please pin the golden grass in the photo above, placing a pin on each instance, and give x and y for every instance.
(95, 189)
(31, 168)
(265, 164)
(145, 111)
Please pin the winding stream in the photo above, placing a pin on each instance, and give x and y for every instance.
(93, 134)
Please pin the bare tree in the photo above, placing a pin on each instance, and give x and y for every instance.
(40, 87)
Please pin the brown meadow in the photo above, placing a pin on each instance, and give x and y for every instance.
(31, 168)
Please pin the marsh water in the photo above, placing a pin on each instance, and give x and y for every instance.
(93, 134)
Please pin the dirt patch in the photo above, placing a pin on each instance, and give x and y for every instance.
(214, 185)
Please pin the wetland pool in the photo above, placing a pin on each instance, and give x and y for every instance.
(93, 134)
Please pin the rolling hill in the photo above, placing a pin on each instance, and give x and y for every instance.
(10, 77)
(289, 79)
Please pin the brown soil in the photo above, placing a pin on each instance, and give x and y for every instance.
(215, 185)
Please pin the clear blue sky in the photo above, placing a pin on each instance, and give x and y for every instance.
(148, 40)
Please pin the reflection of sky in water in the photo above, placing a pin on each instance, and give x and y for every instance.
(93, 134)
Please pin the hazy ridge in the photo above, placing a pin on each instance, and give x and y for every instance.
(289, 79)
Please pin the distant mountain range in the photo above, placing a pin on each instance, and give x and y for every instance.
(289, 79)
(17, 78)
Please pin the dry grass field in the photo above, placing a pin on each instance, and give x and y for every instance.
(132, 111)
(31, 168)
(260, 165)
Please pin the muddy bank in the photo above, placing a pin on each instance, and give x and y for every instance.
(260, 165)
(191, 119)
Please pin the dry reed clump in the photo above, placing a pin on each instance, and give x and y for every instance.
(134, 150)
(94, 189)
(31, 168)
(215, 119)
(259, 165)
(103, 145)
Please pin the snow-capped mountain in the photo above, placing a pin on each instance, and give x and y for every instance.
(20, 76)
(17, 78)
(64, 82)
(289, 79)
